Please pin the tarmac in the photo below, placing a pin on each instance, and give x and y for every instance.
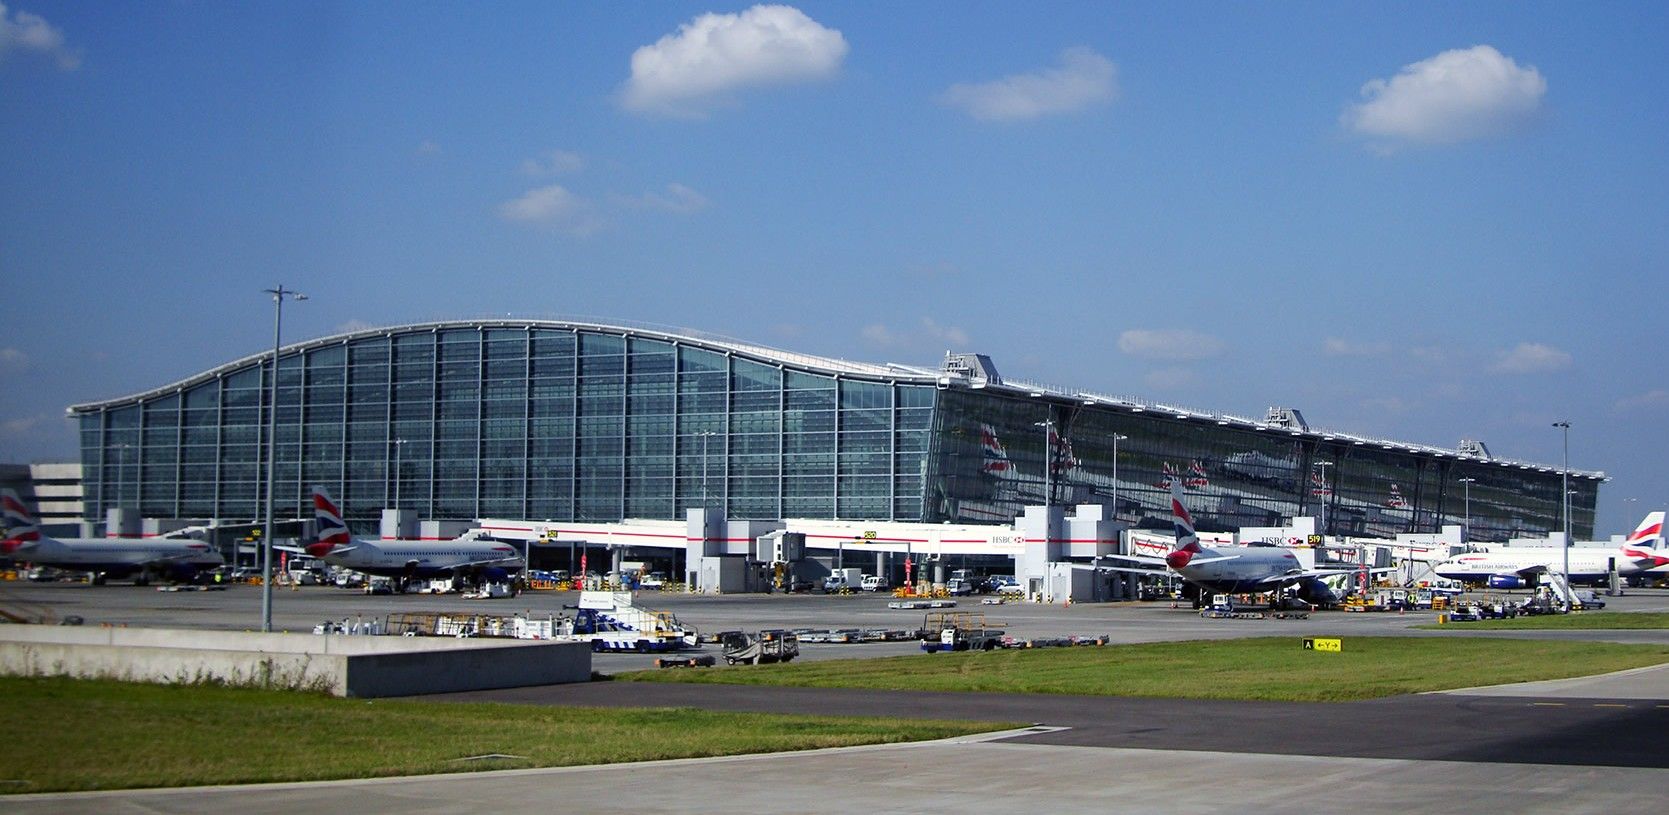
(1591, 744)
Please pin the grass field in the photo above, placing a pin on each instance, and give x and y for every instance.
(87, 735)
(1274, 668)
(1584, 621)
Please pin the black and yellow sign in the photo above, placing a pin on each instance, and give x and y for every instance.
(1317, 540)
(1323, 644)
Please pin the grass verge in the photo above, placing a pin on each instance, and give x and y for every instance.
(1586, 620)
(92, 735)
(1271, 668)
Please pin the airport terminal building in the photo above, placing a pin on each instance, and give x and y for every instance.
(575, 421)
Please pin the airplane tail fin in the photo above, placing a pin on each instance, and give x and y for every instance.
(21, 529)
(1649, 532)
(996, 460)
(1187, 541)
(332, 530)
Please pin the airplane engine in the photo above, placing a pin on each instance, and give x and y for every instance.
(1312, 590)
(1506, 581)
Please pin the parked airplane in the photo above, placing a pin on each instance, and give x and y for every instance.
(466, 557)
(1249, 569)
(1514, 566)
(103, 558)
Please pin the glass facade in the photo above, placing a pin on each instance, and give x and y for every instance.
(593, 423)
(988, 464)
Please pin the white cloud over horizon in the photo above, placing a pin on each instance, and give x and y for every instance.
(1458, 95)
(553, 162)
(1339, 347)
(676, 198)
(688, 73)
(1169, 344)
(927, 333)
(31, 33)
(1654, 399)
(555, 207)
(1081, 79)
(1532, 358)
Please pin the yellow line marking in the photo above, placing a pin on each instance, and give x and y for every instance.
(1548, 704)
(1608, 704)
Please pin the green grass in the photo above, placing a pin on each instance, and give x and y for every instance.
(1273, 668)
(87, 735)
(1585, 620)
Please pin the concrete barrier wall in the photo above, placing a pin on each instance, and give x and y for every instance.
(361, 666)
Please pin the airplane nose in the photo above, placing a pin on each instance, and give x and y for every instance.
(1177, 560)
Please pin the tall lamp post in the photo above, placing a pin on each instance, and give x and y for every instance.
(1466, 525)
(1564, 497)
(1116, 439)
(399, 444)
(278, 295)
(706, 500)
(1048, 467)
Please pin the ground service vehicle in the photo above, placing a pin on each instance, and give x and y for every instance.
(958, 631)
(872, 582)
(762, 648)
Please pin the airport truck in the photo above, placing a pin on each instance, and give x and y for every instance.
(958, 631)
(843, 579)
(762, 648)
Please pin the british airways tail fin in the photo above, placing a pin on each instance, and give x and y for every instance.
(1649, 533)
(995, 461)
(21, 529)
(332, 530)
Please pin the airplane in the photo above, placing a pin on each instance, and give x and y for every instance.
(1247, 569)
(1514, 567)
(487, 560)
(103, 558)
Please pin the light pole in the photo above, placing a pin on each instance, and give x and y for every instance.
(121, 479)
(399, 444)
(1325, 496)
(1564, 427)
(1116, 439)
(278, 296)
(706, 500)
(1466, 526)
(1048, 466)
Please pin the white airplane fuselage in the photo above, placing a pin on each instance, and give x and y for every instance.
(118, 557)
(422, 559)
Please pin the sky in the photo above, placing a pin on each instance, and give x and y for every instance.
(1423, 222)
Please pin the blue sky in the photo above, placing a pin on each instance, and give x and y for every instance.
(1415, 221)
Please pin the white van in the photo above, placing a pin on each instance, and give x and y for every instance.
(874, 582)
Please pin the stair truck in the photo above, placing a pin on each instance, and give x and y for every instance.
(610, 622)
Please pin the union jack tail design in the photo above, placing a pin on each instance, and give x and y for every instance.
(1396, 501)
(1648, 532)
(1319, 487)
(1063, 459)
(1196, 475)
(1169, 478)
(21, 530)
(996, 458)
(1187, 543)
(333, 532)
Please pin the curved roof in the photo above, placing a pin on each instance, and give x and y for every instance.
(828, 366)
(688, 337)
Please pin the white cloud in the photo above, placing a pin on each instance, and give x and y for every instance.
(1458, 95)
(426, 148)
(677, 198)
(928, 334)
(1177, 344)
(22, 426)
(554, 207)
(13, 360)
(1654, 399)
(353, 325)
(1082, 79)
(31, 33)
(1336, 347)
(1532, 358)
(555, 162)
(693, 70)
(878, 334)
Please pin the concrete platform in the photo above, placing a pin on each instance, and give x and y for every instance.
(970, 776)
(1650, 682)
(360, 666)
